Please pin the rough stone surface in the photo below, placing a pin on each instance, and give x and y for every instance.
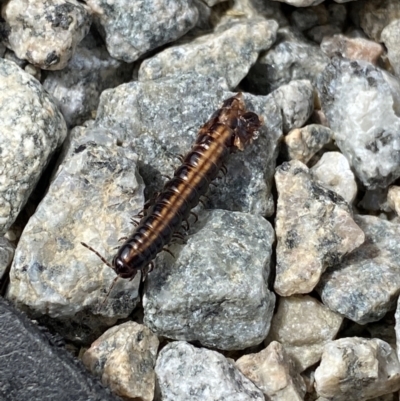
(391, 38)
(124, 357)
(78, 86)
(314, 229)
(393, 198)
(375, 200)
(45, 33)
(216, 54)
(292, 57)
(273, 372)
(31, 130)
(303, 326)
(92, 197)
(352, 48)
(131, 28)
(6, 255)
(302, 3)
(366, 131)
(303, 143)
(357, 369)
(216, 290)
(366, 284)
(163, 120)
(333, 172)
(185, 372)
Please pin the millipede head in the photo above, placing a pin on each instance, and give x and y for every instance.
(247, 128)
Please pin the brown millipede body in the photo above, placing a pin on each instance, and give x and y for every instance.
(230, 128)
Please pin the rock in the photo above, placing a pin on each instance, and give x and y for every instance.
(32, 129)
(292, 57)
(303, 326)
(314, 229)
(92, 197)
(367, 131)
(302, 3)
(124, 357)
(45, 33)
(296, 101)
(184, 370)
(164, 118)
(393, 198)
(78, 86)
(375, 200)
(6, 255)
(333, 172)
(131, 29)
(357, 369)
(391, 37)
(303, 143)
(216, 54)
(272, 371)
(366, 284)
(216, 290)
(352, 48)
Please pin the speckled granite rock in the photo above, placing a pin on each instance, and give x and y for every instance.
(303, 326)
(292, 57)
(367, 131)
(273, 372)
(303, 143)
(216, 54)
(78, 86)
(333, 172)
(45, 33)
(92, 197)
(393, 198)
(131, 29)
(391, 37)
(366, 284)
(124, 357)
(163, 120)
(185, 371)
(31, 130)
(357, 369)
(314, 229)
(216, 290)
(6, 255)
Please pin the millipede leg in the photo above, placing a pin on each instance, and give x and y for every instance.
(102, 258)
(195, 217)
(180, 158)
(166, 176)
(109, 290)
(224, 169)
(167, 250)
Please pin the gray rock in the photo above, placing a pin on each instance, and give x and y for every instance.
(273, 372)
(318, 33)
(333, 172)
(393, 198)
(124, 357)
(303, 326)
(92, 197)
(6, 255)
(131, 29)
(391, 37)
(375, 200)
(314, 229)
(216, 290)
(302, 3)
(216, 54)
(366, 131)
(357, 369)
(163, 120)
(45, 33)
(78, 86)
(185, 372)
(292, 57)
(303, 143)
(31, 130)
(366, 284)
(296, 101)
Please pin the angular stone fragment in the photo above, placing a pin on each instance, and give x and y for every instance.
(314, 229)
(393, 198)
(92, 197)
(124, 357)
(216, 290)
(133, 28)
(391, 38)
(32, 128)
(273, 372)
(357, 369)
(302, 3)
(185, 372)
(216, 54)
(366, 284)
(333, 172)
(366, 131)
(45, 33)
(6, 255)
(303, 326)
(303, 143)
(78, 86)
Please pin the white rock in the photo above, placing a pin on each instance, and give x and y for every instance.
(393, 198)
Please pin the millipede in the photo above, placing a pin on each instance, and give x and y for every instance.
(229, 129)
